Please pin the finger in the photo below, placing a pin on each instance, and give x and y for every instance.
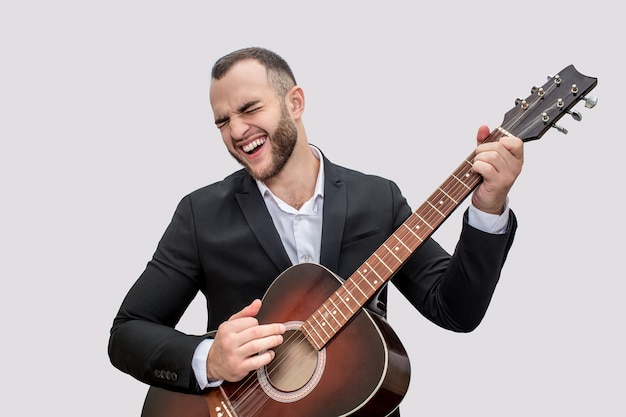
(235, 326)
(262, 332)
(256, 346)
(257, 361)
(251, 310)
(482, 134)
(514, 145)
(507, 150)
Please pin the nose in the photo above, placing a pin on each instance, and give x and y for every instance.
(238, 127)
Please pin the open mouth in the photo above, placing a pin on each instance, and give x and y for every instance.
(253, 146)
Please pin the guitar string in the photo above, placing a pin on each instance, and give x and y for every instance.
(251, 385)
(454, 189)
(537, 100)
(253, 397)
(254, 390)
(251, 389)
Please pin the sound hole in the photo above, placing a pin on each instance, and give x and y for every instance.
(294, 364)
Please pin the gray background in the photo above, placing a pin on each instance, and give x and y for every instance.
(105, 124)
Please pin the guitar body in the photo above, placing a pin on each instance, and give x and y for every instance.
(362, 371)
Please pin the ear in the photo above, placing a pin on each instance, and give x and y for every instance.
(295, 102)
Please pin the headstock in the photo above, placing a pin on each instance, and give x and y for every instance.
(535, 115)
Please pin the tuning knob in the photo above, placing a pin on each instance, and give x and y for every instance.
(590, 102)
(575, 115)
(560, 129)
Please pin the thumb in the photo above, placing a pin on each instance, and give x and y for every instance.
(250, 310)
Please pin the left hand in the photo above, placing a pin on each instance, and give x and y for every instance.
(499, 163)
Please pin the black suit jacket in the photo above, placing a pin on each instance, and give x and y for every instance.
(222, 241)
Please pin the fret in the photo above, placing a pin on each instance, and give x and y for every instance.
(448, 195)
(344, 301)
(305, 330)
(349, 293)
(373, 269)
(366, 280)
(383, 262)
(455, 191)
(431, 214)
(324, 315)
(391, 252)
(411, 230)
(402, 242)
(333, 314)
(310, 336)
(423, 221)
(358, 288)
(461, 182)
(315, 338)
(314, 328)
(338, 309)
(435, 208)
(321, 325)
(464, 172)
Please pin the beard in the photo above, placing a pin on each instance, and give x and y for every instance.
(283, 143)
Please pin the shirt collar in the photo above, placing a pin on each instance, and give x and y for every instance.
(319, 183)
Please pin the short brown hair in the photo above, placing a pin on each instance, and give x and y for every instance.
(278, 71)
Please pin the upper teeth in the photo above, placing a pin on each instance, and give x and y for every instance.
(253, 145)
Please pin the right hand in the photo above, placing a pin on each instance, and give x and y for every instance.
(238, 342)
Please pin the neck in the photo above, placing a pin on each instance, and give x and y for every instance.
(295, 184)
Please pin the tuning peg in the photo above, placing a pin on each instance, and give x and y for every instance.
(555, 78)
(521, 102)
(590, 102)
(575, 115)
(560, 129)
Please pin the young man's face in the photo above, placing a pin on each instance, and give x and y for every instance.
(254, 122)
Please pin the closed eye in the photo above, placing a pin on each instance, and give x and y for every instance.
(221, 123)
(247, 108)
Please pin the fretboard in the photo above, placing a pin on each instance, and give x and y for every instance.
(361, 286)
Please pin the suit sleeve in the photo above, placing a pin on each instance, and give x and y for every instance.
(454, 291)
(143, 341)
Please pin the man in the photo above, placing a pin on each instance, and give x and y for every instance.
(290, 205)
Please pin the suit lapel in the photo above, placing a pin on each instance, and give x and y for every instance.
(335, 211)
(260, 222)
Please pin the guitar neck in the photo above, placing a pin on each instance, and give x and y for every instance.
(529, 120)
(361, 286)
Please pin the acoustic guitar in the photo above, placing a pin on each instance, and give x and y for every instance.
(337, 358)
